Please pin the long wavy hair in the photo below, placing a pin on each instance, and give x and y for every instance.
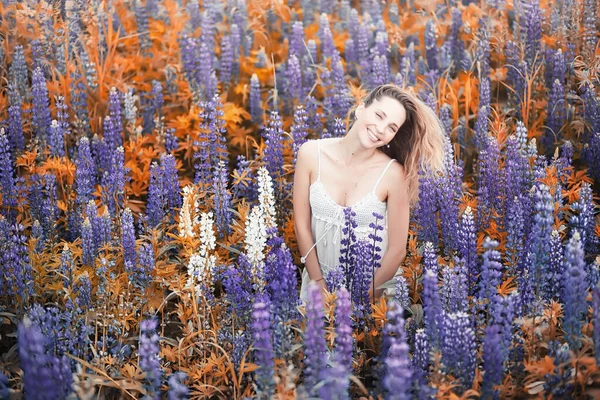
(419, 142)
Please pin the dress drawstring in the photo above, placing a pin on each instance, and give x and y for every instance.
(328, 226)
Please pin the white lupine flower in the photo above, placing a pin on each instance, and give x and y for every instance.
(207, 233)
(187, 224)
(201, 264)
(266, 197)
(256, 236)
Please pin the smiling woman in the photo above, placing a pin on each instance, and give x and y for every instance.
(373, 169)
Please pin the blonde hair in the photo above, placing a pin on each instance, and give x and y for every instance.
(419, 142)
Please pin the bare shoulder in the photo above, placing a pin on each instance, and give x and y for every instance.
(395, 178)
(307, 156)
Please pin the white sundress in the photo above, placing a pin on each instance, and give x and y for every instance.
(327, 222)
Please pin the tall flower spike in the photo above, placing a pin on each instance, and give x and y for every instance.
(255, 103)
(177, 388)
(314, 338)
(263, 349)
(459, 347)
(41, 119)
(150, 356)
(574, 291)
(188, 215)
(398, 373)
(266, 198)
(201, 265)
(222, 200)
(432, 308)
(42, 372)
(256, 240)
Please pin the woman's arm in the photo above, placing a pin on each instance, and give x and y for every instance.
(302, 214)
(398, 219)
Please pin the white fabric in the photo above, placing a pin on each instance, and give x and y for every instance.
(327, 221)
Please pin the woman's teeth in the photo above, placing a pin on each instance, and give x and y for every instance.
(371, 136)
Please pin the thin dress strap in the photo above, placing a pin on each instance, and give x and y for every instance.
(382, 174)
(319, 159)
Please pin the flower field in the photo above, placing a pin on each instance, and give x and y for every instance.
(147, 246)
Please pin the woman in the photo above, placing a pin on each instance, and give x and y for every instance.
(374, 168)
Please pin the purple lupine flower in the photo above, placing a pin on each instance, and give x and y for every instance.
(422, 349)
(237, 282)
(141, 274)
(556, 116)
(280, 275)
(177, 388)
(398, 374)
(362, 41)
(141, 19)
(590, 37)
(85, 174)
(583, 221)
(361, 279)
(335, 380)
(432, 308)
(149, 353)
(227, 57)
(408, 66)
(263, 349)
(128, 237)
(7, 173)
(171, 141)
(299, 129)
(163, 192)
(348, 243)
(88, 244)
(401, 295)
(203, 74)
(541, 235)
(379, 71)
(294, 79)
(16, 276)
(454, 43)
(79, 103)
(222, 200)
(66, 266)
(531, 29)
(482, 52)
(555, 268)
(297, 40)
(56, 139)
(213, 124)
(449, 195)
(17, 72)
(326, 37)
(115, 111)
(338, 99)
(315, 359)
(430, 261)
(575, 289)
(515, 77)
(431, 44)
(65, 331)
(453, 294)
(426, 208)
(491, 270)
(596, 321)
(517, 176)
(273, 135)
(350, 56)
(44, 376)
(482, 123)
(15, 120)
(41, 119)
(492, 362)
(113, 181)
(343, 330)
(459, 347)
(490, 182)
(83, 288)
(381, 46)
(255, 103)
(514, 216)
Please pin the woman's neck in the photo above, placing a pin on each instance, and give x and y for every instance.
(352, 151)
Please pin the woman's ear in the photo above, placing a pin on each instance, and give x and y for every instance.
(359, 109)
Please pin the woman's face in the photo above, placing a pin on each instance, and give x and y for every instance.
(377, 124)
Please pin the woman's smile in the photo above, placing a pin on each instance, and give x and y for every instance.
(372, 136)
